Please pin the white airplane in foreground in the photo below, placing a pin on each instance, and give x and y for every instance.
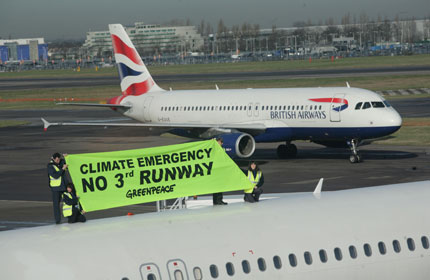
(332, 116)
(362, 234)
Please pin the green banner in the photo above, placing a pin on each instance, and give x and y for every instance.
(114, 179)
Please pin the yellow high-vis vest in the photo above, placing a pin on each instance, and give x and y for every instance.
(67, 209)
(55, 182)
(253, 180)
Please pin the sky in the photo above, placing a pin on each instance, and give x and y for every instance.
(71, 19)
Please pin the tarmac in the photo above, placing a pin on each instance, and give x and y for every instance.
(25, 198)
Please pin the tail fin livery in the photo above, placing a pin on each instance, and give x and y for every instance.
(135, 77)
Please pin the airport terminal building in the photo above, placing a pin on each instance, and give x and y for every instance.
(23, 49)
(149, 39)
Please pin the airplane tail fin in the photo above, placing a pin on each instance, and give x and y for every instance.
(135, 77)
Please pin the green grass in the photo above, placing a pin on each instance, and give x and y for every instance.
(414, 132)
(8, 123)
(342, 63)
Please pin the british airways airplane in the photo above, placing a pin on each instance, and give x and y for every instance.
(331, 116)
(363, 234)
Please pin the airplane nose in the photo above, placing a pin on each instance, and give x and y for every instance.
(396, 119)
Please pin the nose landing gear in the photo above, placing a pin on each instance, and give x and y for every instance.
(355, 156)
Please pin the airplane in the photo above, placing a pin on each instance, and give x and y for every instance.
(331, 116)
(368, 233)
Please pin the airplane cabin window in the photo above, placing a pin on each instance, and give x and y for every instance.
(396, 246)
(197, 273)
(284, 107)
(271, 107)
(277, 262)
(425, 242)
(367, 250)
(237, 108)
(245, 266)
(230, 268)
(323, 256)
(276, 107)
(301, 108)
(214, 271)
(366, 105)
(358, 106)
(152, 277)
(288, 107)
(225, 107)
(338, 254)
(262, 108)
(293, 260)
(377, 104)
(411, 244)
(162, 108)
(178, 275)
(292, 108)
(352, 252)
(320, 107)
(261, 264)
(308, 258)
(382, 248)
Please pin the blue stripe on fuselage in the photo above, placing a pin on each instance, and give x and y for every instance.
(278, 134)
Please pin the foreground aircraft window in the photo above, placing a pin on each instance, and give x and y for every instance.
(367, 250)
(366, 105)
(245, 267)
(225, 108)
(377, 104)
(292, 108)
(212, 108)
(152, 277)
(302, 108)
(396, 246)
(308, 258)
(200, 108)
(271, 108)
(382, 248)
(262, 108)
(261, 264)
(338, 254)
(214, 271)
(310, 108)
(288, 107)
(178, 275)
(425, 242)
(197, 273)
(237, 108)
(177, 108)
(323, 256)
(320, 107)
(387, 104)
(293, 260)
(358, 106)
(352, 252)
(411, 244)
(284, 107)
(162, 108)
(230, 268)
(276, 107)
(277, 262)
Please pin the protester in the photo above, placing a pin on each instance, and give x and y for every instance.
(57, 182)
(255, 176)
(72, 207)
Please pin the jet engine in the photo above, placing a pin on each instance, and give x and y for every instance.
(240, 145)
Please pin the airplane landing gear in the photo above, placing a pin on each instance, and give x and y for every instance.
(355, 157)
(287, 151)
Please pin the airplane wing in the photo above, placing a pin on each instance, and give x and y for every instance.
(245, 126)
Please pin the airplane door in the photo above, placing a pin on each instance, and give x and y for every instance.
(150, 271)
(335, 105)
(177, 270)
(257, 107)
(249, 110)
(146, 106)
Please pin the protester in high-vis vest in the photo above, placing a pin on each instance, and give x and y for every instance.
(57, 182)
(255, 176)
(72, 209)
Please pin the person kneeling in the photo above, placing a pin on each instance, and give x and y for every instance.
(72, 207)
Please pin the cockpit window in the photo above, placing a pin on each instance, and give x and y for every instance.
(387, 104)
(377, 104)
(358, 106)
(366, 105)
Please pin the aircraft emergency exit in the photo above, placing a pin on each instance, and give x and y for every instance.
(362, 234)
(332, 116)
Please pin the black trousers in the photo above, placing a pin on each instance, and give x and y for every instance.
(217, 198)
(56, 199)
(76, 216)
(254, 196)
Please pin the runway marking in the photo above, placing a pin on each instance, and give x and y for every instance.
(378, 177)
(311, 181)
